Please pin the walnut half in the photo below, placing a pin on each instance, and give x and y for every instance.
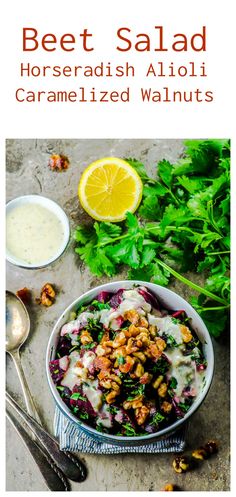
(47, 295)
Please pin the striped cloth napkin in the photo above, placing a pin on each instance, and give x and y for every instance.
(75, 440)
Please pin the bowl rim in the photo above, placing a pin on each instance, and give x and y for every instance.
(116, 438)
(60, 213)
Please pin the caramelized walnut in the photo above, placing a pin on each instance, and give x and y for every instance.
(162, 390)
(141, 414)
(58, 162)
(47, 295)
(166, 406)
(186, 333)
(85, 337)
(24, 294)
(102, 363)
(181, 464)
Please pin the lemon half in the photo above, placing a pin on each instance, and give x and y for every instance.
(108, 188)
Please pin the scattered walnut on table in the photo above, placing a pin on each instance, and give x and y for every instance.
(169, 487)
(206, 451)
(47, 295)
(200, 453)
(24, 294)
(211, 447)
(181, 464)
(58, 162)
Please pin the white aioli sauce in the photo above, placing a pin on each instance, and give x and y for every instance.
(34, 234)
(167, 326)
(183, 369)
(93, 394)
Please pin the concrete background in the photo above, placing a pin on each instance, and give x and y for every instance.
(27, 172)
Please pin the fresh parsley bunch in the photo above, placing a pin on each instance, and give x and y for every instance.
(182, 225)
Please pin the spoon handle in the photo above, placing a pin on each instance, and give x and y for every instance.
(53, 477)
(71, 466)
(25, 388)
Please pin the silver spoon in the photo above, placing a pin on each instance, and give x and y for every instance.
(17, 331)
(55, 480)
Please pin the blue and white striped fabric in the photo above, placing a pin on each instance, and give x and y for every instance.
(75, 440)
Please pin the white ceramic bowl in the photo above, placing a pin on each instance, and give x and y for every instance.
(59, 213)
(168, 300)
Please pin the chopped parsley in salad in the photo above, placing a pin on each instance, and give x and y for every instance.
(125, 366)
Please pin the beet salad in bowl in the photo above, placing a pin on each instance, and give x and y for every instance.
(129, 359)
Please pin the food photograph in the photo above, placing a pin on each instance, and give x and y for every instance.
(117, 314)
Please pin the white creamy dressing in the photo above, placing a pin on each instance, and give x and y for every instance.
(76, 375)
(88, 359)
(92, 393)
(135, 301)
(71, 377)
(78, 323)
(182, 369)
(64, 362)
(105, 418)
(167, 326)
(131, 300)
(34, 234)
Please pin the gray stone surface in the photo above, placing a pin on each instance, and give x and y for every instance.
(27, 172)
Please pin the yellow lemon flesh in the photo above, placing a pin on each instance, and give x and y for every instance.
(108, 188)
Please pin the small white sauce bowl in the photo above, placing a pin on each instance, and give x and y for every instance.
(57, 211)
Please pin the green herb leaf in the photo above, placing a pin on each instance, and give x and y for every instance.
(173, 383)
(121, 359)
(100, 305)
(171, 341)
(139, 167)
(129, 431)
(157, 418)
(77, 395)
(165, 170)
(88, 346)
(183, 406)
(83, 415)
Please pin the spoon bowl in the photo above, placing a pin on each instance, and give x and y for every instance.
(17, 322)
(17, 331)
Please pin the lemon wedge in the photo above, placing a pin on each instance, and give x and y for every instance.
(108, 188)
